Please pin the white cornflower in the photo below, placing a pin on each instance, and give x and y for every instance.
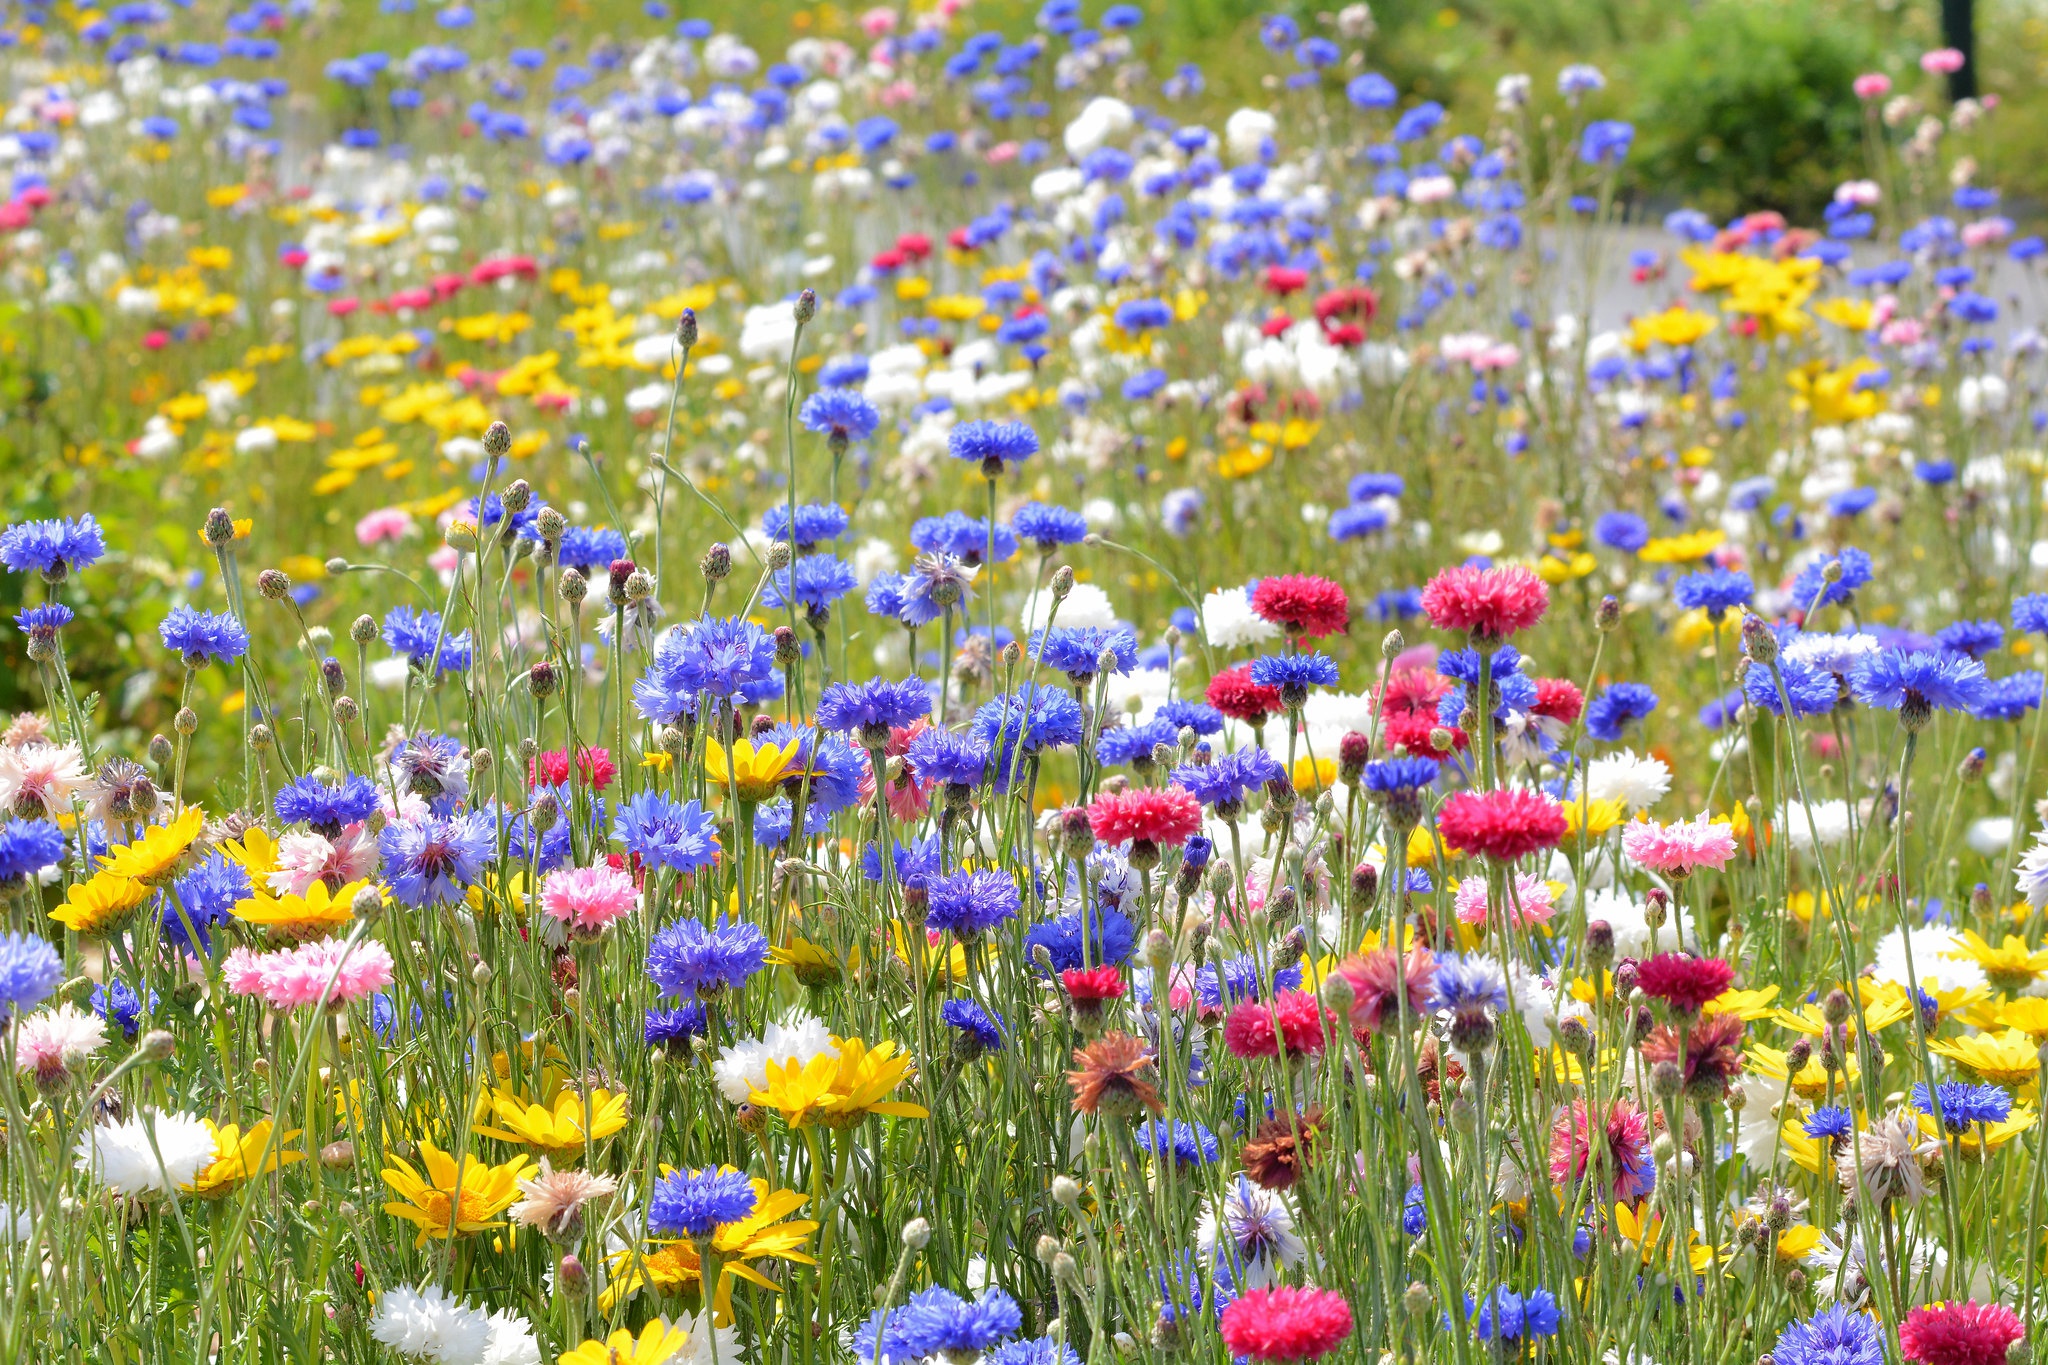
(1935, 958)
(1254, 1233)
(1228, 620)
(123, 1158)
(742, 1068)
(430, 1325)
(1829, 821)
(2031, 876)
(511, 1341)
(1085, 606)
(1638, 781)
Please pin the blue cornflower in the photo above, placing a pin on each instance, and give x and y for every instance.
(201, 637)
(666, 833)
(1198, 716)
(1399, 774)
(1605, 141)
(1616, 708)
(52, 548)
(1830, 1122)
(1048, 527)
(434, 768)
(874, 707)
(841, 416)
(589, 551)
(992, 445)
(1896, 680)
(1508, 1316)
(947, 756)
(325, 809)
(1837, 1336)
(1134, 744)
(937, 1321)
(1624, 531)
(205, 896)
(1030, 720)
(1811, 588)
(434, 861)
(1468, 984)
(1963, 1104)
(727, 658)
(816, 522)
(2010, 697)
(936, 583)
(1037, 1350)
(1077, 650)
(689, 1203)
(1356, 521)
(2030, 614)
(27, 847)
(968, 539)
(118, 1004)
(1224, 782)
(1971, 639)
(915, 864)
(30, 971)
(819, 581)
(1240, 978)
(686, 958)
(1108, 940)
(1714, 591)
(415, 633)
(970, 903)
(1188, 1144)
(1812, 691)
(1415, 1211)
(1143, 315)
(1294, 675)
(979, 1030)
(41, 624)
(664, 1027)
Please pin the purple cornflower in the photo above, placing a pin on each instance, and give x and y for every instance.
(1224, 782)
(874, 707)
(1616, 708)
(434, 861)
(726, 658)
(1918, 684)
(666, 833)
(52, 548)
(841, 416)
(690, 1203)
(979, 1031)
(30, 971)
(1294, 675)
(947, 756)
(201, 637)
(992, 445)
(970, 903)
(324, 809)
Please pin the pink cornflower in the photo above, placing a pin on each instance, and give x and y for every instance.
(243, 971)
(54, 1044)
(1503, 825)
(1943, 61)
(1681, 848)
(1379, 979)
(304, 858)
(1491, 603)
(38, 779)
(1532, 902)
(1285, 1323)
(384, 525)
(1872, 85)
(1964, 1333)
(1290, 1023)
(1625, 1137)
(587, 898)
(326, 972)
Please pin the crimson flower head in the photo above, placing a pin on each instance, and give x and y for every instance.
(1145, 815)
(1285, 279)
(1286, 1324)
(1965, 1333)
(1558, 699)
(1502, 825)
(551, 768)
(1684, 982)
(1379, 979)
(1292, 1022)
(1093, 985)
(1488, 604)
(1302, 604)
(1235, 694)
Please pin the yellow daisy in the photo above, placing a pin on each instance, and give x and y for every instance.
(841, 1088)
(658, 1342)
(2008, 1058)
(2010, 967)
(749, 770)
(1749, 1006)
(156, 857)
(311, 914)
(557, 1128)
(239, 1155)
(766, 1233)
(441, 1201)
(101, 906)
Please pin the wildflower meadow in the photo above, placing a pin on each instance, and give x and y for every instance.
(929, 695)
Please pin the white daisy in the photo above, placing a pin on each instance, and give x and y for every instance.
(1085, 605)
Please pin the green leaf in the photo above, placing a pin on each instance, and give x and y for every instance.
(84, 319)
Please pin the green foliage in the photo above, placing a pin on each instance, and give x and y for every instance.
(1751, 106)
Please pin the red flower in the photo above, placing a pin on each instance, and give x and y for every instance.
(1285, 1323)
(1235, 694)
(1503, 825)
(1682, 981)
(1965, 1333)
(1093, 984)
(1147, 816)
(1250, 1030)
(1411, 731)
(1626, 1141)
(1558, 700)
(1414, 691)
(1352, 303)
(1285, 279)
(915, 245)
(1302, 604)
(551, 768)
(1489, 603)
(1379, 979)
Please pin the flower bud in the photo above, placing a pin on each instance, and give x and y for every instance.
(1607, 615)
(157, 1044)
(541, 680)
(219, 529)
(274, 584)
(1062, 582)
(806, 306)
(368, 905)
(517, 497)
(338, 1156)
(1392, 644)
(686, 329)
(161, 751)
(716, 563)
(1758, 640)
(1066, 1193)
(551, 524)
(346, 711)
(497, 440)
(186, 722)
(787, 650)
(571, 1277)
(573, 588)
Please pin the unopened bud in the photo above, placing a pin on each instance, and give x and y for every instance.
(274, 584)
(686, 329)
(497, 440)
(157, 1044)
(1607, 615)
(219, 529)
(806, 306)
(716, 563)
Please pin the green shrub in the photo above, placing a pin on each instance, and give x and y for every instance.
(1751, 107)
